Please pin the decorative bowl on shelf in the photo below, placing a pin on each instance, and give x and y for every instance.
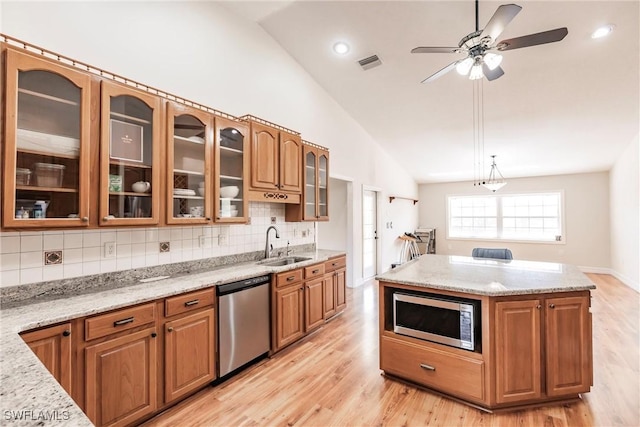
(201, 191)
(229, 192)
(141, 186)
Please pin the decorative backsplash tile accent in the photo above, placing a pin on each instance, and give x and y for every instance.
(22, 258)
(165, 247)
(52, 257)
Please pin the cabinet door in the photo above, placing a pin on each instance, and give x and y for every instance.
(310, 193)
(265, 170)
(314, 304)
(340, 284)
(290, 162)
(323, 186)
(568, 345)
(231, 171)
(121, 379)
(129, 156)
(289, 315)
(329, 295)
(47, 131)
(53, 348)
(189, 354)
(518, 364)
(190, 161)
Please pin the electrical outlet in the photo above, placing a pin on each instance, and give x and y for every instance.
(110, 250)
(201, 241)
(295, 232)
(223, 239)
(304, 233)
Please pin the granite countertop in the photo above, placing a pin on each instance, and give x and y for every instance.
(491, 277)
(29, 395)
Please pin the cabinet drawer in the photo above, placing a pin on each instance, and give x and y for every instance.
(314, 271)
(188, 302)
(448, 372)
(121, 320)
(288, 278)
(335, 263)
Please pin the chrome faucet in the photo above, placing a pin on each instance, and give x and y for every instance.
(267, 247)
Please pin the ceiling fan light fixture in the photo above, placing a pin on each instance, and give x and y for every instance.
(464, 66)
(476, 72)
(492, 60)
(603, 31)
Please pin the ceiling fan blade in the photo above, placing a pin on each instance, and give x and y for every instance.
(440, 73)
(496, 73)
(434, 50)
(500, 20)
(533, 39)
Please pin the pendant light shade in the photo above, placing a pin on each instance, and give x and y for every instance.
(476, 72)
(492, 60)
(496, 180)
(464, 66)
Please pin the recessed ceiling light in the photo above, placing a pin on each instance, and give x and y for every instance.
(605, 30)
(341, 48)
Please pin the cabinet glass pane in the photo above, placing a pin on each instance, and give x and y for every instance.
(48, 146)
(231, 173)
(130, 158)
(188, 167)
(322, 185)
(310, 185)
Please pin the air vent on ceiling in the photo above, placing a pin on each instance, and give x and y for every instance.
(370, 62)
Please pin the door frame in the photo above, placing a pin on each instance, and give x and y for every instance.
(378, 263)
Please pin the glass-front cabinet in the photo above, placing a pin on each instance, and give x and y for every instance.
(189, 158)
(46, 176)
(315, 194)
(231, 170)
(129, 156)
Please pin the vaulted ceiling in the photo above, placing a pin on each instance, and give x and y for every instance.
(565, 107)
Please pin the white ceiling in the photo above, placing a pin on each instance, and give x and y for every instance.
(565, 107)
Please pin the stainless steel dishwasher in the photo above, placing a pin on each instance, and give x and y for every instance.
(243, 323)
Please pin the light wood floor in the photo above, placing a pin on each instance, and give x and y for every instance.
(331, 378)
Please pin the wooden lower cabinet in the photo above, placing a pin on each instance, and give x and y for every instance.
(329, 295)
(289, 315)
(340, 284)
(314, 303)
(52, 345)
(121, 378)
(189, 353)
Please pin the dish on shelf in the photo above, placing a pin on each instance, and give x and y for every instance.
(44, 142)
(201, 191)
(229, 192)
(197, 139)
(183, 192)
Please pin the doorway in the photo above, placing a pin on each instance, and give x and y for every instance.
(369, 233)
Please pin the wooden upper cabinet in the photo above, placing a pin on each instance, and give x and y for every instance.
(46, 154)
(265, 163)
(315, 187)
(568, 345)
(130, 153)
(290, 164)
(231, 171)
(189, 165)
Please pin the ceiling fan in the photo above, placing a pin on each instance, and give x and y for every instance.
(478, 46)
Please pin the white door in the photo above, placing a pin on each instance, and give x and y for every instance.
(369, 234)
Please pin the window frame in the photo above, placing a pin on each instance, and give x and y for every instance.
(500, 219)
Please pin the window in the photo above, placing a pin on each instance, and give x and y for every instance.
(532, 217)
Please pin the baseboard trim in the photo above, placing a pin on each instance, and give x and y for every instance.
(621, 277)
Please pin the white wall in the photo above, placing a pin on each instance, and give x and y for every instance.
(625, 216)
(205, 53)
(586, 235)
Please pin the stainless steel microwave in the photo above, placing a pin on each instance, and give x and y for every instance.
(450, 321)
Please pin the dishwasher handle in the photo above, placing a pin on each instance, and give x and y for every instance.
(230, 288)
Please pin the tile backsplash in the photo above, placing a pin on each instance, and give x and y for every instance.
(25, 257)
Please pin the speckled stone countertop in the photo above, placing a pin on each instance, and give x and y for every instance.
(491, 277)
(29, 395)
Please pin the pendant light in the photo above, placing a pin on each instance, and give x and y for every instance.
(496, 180)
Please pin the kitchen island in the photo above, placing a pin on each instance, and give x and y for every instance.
(494, 334)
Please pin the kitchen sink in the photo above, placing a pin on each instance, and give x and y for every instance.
(283, 261)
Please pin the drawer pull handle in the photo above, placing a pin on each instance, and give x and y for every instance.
(123, 321)
(290, 278)
(66, 333)
(334, 264)
(315, 271)
(190, 303)
(427, 367)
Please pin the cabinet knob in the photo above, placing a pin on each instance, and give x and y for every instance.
(153, 335)
(85, 219)
(66, 333)
(552, 306)
(170, 329)
(539, 306)
(208, 219)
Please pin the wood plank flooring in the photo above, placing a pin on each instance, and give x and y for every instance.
(331, 378)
